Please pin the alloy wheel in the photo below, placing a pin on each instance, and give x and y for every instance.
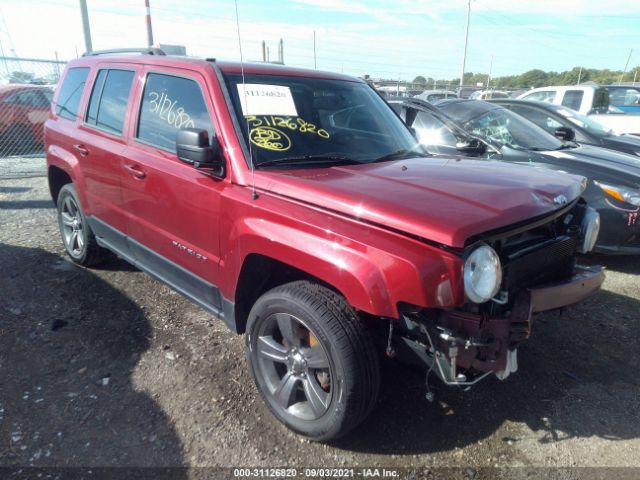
(295, 367)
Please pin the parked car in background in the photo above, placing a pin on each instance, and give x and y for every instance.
(433, 96)
(614, 177)
(488, 94)
(626, 98)
(589, 100)
(567, 124)
(25, 108)
(516, 93)
(297, 207)
(435, 131)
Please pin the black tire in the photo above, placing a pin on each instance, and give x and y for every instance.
(77, 237)
(351, 361)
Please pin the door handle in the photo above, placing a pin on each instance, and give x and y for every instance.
(136, 171)
(82, 149)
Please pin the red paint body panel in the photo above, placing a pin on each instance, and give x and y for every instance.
(343, 225)
(446, 201)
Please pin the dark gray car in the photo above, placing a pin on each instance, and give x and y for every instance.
(614, 177)
(558, 120)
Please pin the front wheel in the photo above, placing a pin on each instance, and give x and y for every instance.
(312, 360)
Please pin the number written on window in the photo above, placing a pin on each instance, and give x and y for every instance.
(169, 104)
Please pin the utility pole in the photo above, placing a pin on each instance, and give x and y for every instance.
(85, 26)
(315, 62)
(489, 76)
(466, 41)
(579, 76)
(625, 67)
(148, 19)
(6, 67)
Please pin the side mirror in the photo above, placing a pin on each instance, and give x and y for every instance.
(565, 133)
(192, 147)
(471, 147)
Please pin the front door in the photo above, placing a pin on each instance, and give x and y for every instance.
(173, 209)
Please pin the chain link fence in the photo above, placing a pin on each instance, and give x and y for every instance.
(26, 89)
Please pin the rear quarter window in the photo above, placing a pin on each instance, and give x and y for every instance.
(573, 99)
(71, 92)
(170, 103)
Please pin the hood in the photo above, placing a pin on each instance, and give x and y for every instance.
(629, 142)
(445, 200)
(588, 160)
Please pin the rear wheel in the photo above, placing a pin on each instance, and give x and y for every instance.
(312, 360)
(78, 239)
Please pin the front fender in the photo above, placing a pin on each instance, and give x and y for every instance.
(375, 269)
(348, 270)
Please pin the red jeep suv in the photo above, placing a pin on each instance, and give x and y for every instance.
(298, 208)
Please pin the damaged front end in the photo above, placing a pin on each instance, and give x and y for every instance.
(529, 269)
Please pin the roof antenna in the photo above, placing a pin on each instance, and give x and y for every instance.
(254, 194)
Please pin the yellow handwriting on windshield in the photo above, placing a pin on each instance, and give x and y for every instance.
(299, 124)
(270, 138)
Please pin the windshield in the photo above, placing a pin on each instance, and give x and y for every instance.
(505, 128)
(624, 96)
(295, 119)
(584, 122)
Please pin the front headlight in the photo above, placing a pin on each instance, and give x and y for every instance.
(482, 274)
(590, 230)
(622, 194)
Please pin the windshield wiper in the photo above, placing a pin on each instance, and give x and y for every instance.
(399, 155)
(307, 160)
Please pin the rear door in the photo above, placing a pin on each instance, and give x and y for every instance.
(173, 210)
(100, 144)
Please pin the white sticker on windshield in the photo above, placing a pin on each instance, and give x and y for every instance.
(260, 99)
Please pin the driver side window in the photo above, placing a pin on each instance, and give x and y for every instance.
(432, 131)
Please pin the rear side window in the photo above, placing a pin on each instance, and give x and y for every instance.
(169, 104)
(544, 96)
(71, 92)
(109, 98)
(573, 99)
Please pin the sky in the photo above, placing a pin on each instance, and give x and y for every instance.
(397, 39)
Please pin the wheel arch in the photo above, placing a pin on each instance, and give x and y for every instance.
(252, 282)
(57, 178)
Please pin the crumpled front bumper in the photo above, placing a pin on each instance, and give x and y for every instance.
(585, 281)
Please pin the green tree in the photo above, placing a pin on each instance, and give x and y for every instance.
(420, 80)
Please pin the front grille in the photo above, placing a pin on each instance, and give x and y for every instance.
(552, 260)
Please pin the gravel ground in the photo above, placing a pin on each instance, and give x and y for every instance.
(107, 367)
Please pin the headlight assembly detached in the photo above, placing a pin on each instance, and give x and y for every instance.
(590, 230)
(482, 274)
(622, 194)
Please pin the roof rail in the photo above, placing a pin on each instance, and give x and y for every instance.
(143, 51)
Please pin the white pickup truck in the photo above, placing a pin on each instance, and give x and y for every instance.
(590, 100)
